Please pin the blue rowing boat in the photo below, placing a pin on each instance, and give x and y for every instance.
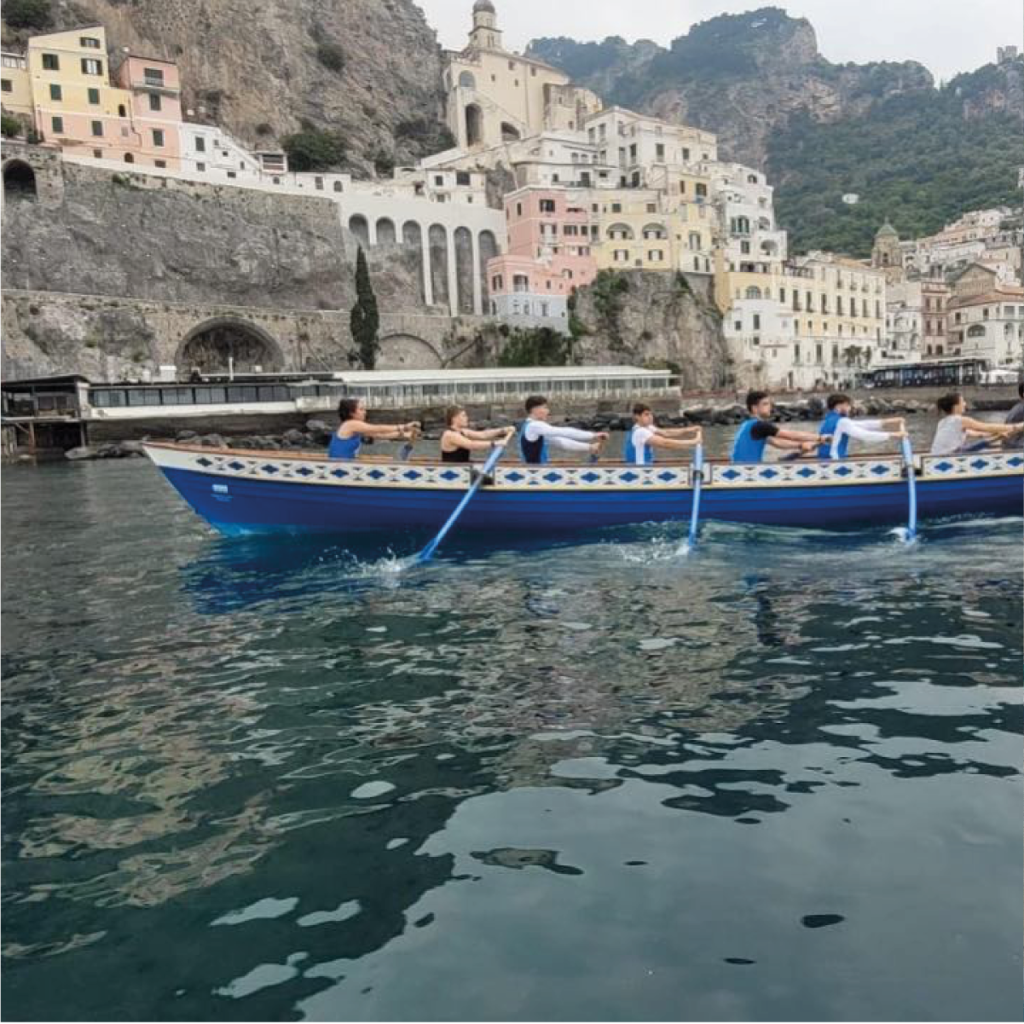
(245, 492)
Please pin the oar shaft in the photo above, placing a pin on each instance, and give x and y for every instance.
(488, 466)
(697, 478)
(908, 460)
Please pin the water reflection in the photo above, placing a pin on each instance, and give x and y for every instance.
(282, 782)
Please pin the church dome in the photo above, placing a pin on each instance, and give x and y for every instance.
(887, 230)
(483, 5)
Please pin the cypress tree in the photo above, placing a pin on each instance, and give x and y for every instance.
(364, 321)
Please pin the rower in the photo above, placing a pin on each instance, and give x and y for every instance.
(955, 430)
(757, 431)
(841, 427)
(348, 438)
(645, 437)
(536, 434)
(458, 441)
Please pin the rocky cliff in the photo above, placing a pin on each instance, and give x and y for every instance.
(369, 70)
(653, 318)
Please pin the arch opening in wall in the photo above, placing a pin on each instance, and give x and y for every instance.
(407, 352)
(129, 158)
(359, 227)
(228, 344)
(386, 231)
(412, 236)
(464, 269)
(509, 132)
(487, 249)
(19, 180)
(474, 124)
(437, 244)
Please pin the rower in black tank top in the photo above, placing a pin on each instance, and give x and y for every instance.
(459, 455)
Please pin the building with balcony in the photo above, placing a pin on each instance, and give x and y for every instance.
(989, 326)
(550, 233)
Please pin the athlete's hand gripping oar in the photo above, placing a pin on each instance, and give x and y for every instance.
(406, 450)
(697, 478)
(492, 460)
(908, 461)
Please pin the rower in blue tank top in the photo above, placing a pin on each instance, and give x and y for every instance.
(645, 437)
(348, 438)
(838, 425)
(758, 430)
(535, 434)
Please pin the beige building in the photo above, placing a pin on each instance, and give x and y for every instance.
(495, 96)
(647, 229)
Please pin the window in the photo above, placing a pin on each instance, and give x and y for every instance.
(158, 137)
(702, 190)
(160, 163)
(5, 85)
(200, 144)
(56, 93)
(154, 101)
(153, 76)
(232, 174)
(94, 96)
(57, 125)
(89, 42)
(438, 179)
(91, 66)
(659, 151)
(616, 207)
(547, 206)
(337, 186)
(122, 112)
(654, 255)
(519, 209)
(757, 321)
(51, 62)
(96, 127)
(200, 167)
(97, 154)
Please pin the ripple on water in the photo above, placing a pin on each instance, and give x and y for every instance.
(776, 776)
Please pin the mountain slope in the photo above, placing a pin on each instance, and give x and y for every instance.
(913, 152)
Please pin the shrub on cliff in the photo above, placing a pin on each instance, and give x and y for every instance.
(536, 346)
(331, 56)
(27, 13)
(10, 126)
(313, 149)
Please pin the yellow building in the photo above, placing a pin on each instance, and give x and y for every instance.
(495, 96)
(16, 97)
(648, 229)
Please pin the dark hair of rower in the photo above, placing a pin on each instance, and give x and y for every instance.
(347, 408)
(947, 403)
(836, 399)
(755, 398)
(450, 413)
(640, 408)
(535, 400)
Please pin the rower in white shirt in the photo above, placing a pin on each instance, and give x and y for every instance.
(536, 434)
(645, 437)
(842, 428)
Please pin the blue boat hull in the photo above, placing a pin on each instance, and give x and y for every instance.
(266, 506)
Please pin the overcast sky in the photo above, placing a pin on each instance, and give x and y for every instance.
(945, 36)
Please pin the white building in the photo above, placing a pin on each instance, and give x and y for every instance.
(989, 326)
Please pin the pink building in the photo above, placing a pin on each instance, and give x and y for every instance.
(154, 87)
(549, 235)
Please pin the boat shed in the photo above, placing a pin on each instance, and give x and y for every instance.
(44, 414)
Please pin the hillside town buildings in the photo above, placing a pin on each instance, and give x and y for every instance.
(584, 189)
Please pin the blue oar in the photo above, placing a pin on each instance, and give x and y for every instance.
(426, 554)
(908, 461)
(697, 475)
